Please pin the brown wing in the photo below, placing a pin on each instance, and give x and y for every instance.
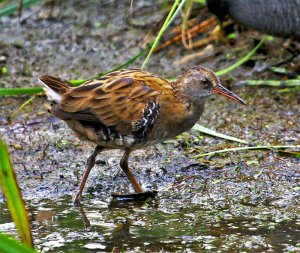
(118, 99)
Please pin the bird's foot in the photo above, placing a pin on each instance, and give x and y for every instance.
(140, 196)
(77, 199)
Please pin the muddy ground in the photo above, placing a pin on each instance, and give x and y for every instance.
(246, 201)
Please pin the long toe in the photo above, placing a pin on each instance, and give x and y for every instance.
(140, 196)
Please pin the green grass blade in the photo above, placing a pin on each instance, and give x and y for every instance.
(241, 61)
(27, 102)
(279, 70)
(77, 82)
(172, 14)
(203, 2)
(208, 131)
(13, 196)
(20, 91)
(14, 7)
(271, 83)
(244, 148)
(10, 245)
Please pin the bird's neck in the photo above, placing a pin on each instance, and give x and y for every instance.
(194, 105)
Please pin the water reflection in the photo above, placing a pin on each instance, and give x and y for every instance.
(153, 226)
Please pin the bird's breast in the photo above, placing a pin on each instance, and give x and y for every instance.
(175, 119)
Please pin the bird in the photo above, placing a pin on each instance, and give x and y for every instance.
(274, 17)
(131, 109)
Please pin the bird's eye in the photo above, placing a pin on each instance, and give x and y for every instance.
(206, 83)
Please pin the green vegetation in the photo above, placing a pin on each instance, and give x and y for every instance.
(10, 245)
(270, 147)
(13, 8)
(11, 191)
(216, 134)
(172, 14)
(241, 61)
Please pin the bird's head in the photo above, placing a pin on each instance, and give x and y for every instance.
(201, 82)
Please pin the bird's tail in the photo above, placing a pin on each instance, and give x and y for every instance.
(54, 87)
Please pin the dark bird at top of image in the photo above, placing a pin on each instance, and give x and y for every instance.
(275, 17)
(131, 109)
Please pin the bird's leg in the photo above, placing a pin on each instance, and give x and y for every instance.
(124, 166)
(140, 194)
(90, 164)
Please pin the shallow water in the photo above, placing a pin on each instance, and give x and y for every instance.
(165, 225)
